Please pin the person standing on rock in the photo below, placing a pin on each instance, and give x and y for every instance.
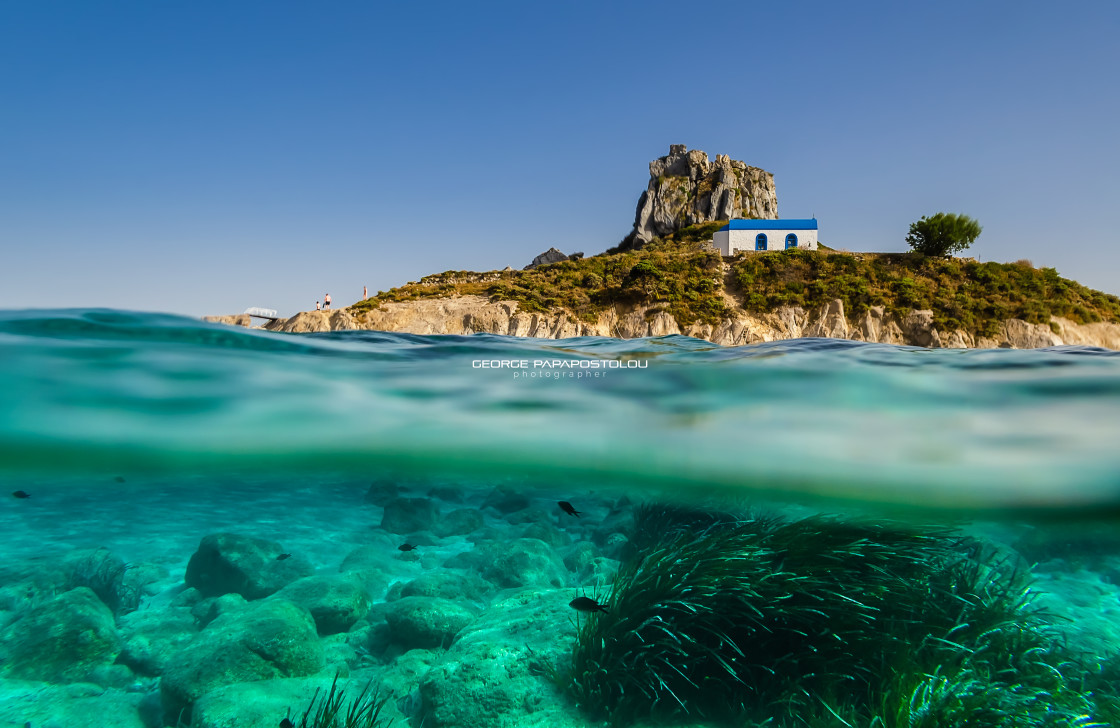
(365, 293)
(326, 302)
(318, 306)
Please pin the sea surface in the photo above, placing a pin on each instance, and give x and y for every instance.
(450, 497)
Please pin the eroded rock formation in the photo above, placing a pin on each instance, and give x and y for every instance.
(552, 255)
(686, 188)
(237, 319)
(477, 314)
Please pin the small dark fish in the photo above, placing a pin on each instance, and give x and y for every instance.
(21, 494)
(586, 604)
(119, 478)
(569, 509)
(406, 547)
(287, 724)
(281, 557)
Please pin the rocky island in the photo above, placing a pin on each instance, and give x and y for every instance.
(665, 277)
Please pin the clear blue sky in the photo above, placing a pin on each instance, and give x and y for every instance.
(202, 157)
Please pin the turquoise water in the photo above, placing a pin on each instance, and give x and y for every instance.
(120, 391)
(141, 434)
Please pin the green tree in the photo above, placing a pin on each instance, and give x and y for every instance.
(943, 234)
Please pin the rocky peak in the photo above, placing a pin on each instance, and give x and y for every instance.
(552, 255)
(686, 188)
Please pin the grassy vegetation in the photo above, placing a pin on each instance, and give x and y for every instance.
(683, 276)
(963, 294)
(822, 622)
(334, 711)
(675, 275)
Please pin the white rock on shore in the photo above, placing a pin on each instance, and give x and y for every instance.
(476, 314)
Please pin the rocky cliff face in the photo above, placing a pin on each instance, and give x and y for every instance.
(476, 314)
(686, 188)
(237, 319)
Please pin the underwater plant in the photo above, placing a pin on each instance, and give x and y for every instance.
(104, 573)
(824, 622)
(656, 521)
(362, 711)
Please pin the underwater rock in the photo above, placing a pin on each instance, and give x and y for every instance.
(616, 545)
(80, 705)
(188, 597)
(151, 638)
(426, 621)
(447, 585)
(381, 492)
(145, 577)
(115, 676)
(530, 515)
(207, 610)
(269, 639)
(370, 564)
(506, 500)
(492, 677)
(521, 562)
(401, 677)
(266, 702)
(228, 563)
(405, 515)
(336, 602)
(64, 640)
(459, 523)
(548, 533)
(580, 556)
(447, 493)
(487, 533)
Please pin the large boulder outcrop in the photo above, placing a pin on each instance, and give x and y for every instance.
(406, 515)
(152, 638)
(686, 188)
(426, 621)
(552, 255)
(312, 322)
(493, 676)
(64, 640)
(237, 319)
(266, 640)
(73, 705)
(227, 563)
(521, 562)
(336, 601)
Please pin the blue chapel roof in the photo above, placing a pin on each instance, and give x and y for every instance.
(786, 224)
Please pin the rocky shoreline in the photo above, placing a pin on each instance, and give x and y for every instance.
(464, 315)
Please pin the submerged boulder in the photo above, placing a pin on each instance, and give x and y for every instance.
(65, 640)
(152, 638)
(405, 515)
(264, 703)
(336, 601)
(494, 674)
(78, 705)
(270, 639)
(522, 562)
(426, 621)
(227, 563)
(448, 585)
(459, 522)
